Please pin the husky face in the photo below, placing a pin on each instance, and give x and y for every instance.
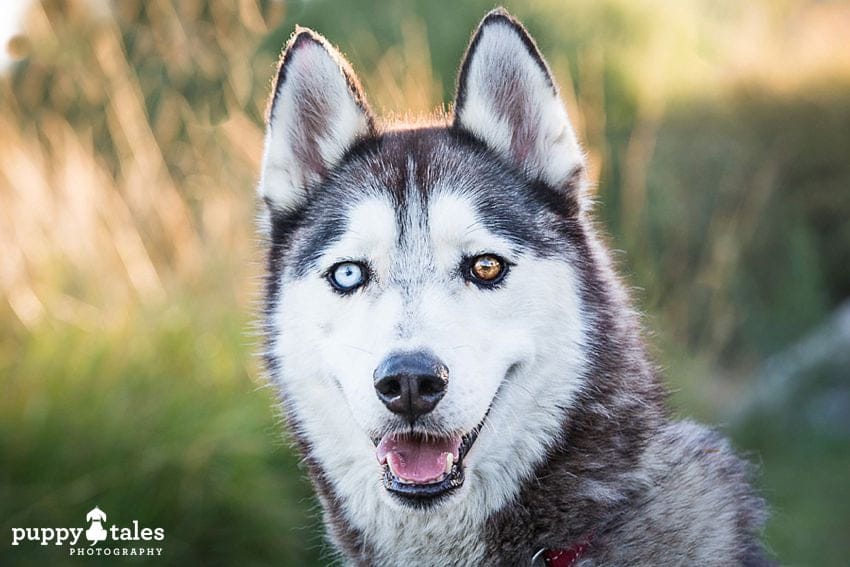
(413, 212)
(424, 313)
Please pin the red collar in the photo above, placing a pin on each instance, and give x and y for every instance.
(561, 557)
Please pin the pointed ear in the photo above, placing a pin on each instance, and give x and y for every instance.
(317, 112)
(506, 97)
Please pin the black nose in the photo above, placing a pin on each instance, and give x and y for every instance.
(411, 383)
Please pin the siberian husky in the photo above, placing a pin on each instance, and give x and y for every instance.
(459, 364)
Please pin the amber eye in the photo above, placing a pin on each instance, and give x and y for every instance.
(487, 269)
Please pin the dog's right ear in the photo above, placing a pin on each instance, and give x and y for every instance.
(317, 112)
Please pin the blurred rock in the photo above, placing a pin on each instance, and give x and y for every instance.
(808, 383)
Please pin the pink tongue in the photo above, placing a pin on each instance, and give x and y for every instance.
(415, 460)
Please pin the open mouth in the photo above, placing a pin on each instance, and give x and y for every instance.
(420, 468)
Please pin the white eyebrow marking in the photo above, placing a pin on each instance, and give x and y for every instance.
(456, 230)
(371, 235)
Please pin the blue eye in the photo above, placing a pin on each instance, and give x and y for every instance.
(347, 276)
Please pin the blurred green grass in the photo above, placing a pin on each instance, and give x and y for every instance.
(718, 135)
(158, 421)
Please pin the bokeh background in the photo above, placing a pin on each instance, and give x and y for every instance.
(130, 136)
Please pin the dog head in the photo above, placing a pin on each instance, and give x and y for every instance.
(424, 313)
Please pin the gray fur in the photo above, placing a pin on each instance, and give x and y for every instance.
(650, 491)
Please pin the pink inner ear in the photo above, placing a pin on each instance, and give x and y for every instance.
(511, 101)
(310, 126)
(310, 119)
(523, 140)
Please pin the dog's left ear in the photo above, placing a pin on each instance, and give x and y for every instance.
(506, 97)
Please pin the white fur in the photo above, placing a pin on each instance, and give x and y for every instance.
(501, 59)
(315, 88)
(329, 346)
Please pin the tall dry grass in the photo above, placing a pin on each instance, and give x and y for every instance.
(98, 216)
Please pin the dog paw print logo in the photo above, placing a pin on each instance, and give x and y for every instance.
(96, 533)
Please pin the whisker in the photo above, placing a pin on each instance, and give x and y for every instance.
(354, 347)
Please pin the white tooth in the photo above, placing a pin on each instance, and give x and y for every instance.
(450, 460)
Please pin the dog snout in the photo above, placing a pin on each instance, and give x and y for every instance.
(411, 384)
